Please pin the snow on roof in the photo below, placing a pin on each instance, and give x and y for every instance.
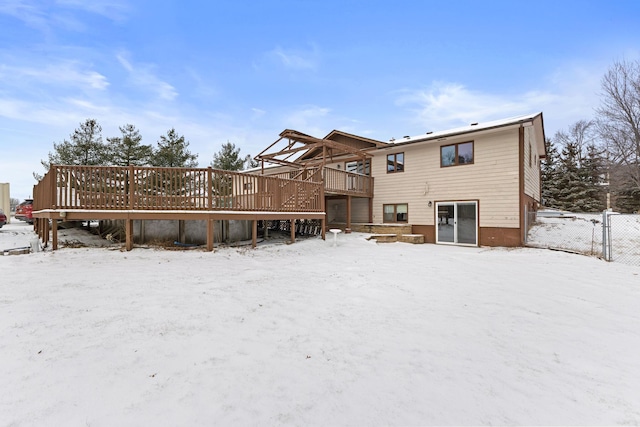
(473, 127)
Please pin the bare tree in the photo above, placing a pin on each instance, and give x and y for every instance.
(619, 119)
(581, 134)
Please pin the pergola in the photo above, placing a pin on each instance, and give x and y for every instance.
(301, 151)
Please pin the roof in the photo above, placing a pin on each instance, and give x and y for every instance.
(474, 127)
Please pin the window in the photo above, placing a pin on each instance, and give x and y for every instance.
(395, 213)
(358, 166)
(456, 154)
(395, 162)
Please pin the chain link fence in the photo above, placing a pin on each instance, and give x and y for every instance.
(585, 234)
(622, 239)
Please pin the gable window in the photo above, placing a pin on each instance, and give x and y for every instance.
(358, 166)
(456, 154)
(395, 162)
(395, 213)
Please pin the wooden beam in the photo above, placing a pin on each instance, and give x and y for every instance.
(293, 231)
(254, 233)
(54, 232)
(210, 227)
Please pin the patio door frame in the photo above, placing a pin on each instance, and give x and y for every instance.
(455, 221)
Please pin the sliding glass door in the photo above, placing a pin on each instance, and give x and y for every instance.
(457, 223)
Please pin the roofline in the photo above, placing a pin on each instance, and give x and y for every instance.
(362, 138)
(469, 129)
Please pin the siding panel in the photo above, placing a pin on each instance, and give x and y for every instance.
(492, 179)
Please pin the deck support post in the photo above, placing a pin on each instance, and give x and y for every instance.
(254, 233)
(293, 230)
(54, 232)
(323, 225)
(128, 230)
(210, 236)
(348, 229)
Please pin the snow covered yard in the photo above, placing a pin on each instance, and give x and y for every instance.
(311, 334)
(583, 233)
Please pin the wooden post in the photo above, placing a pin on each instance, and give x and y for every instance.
(293, 230)
(323, 224)
(210, 227)
(131, 189)
(128, 229)
(254, 234)
(209, 189)
(348, 229)
(54, 232)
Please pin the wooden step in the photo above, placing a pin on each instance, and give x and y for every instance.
(405, 238)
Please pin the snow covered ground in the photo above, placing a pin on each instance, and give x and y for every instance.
(583, 233)
(311, 334)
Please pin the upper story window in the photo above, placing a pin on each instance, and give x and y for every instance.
(395, 162)
(358, 166)
(456, 154)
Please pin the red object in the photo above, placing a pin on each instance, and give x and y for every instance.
(3, 218)
(24, 211)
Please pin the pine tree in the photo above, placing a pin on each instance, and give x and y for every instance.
(126, 150)
(592, 171)
(572, 188)
(250, 162)
(550, 175)
(84, 147)
(172, 152)
(228, 158)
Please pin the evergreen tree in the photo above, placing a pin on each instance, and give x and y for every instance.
(250, 162)
(550, 175)
(593, 171)
(172, 152)
(228, 158)
(572, 188)
(127, 150)
(84, 147)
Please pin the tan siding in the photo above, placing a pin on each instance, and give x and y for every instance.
(531, 173)
(492, 179)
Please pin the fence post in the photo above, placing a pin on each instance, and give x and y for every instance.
(132, 190)
(606, 245)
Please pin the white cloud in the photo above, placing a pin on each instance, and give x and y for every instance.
(296, 59)
(111, 9)
(310, 119)
(445, 105)
(70, 73)
(45, 16)
(569, 94)
(142, 76)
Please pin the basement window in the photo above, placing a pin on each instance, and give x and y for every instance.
(395, 213)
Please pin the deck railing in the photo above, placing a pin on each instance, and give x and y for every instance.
(335, 180)
(183, 189)
(350, 183)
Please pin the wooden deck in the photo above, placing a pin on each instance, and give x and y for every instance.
(130, 193)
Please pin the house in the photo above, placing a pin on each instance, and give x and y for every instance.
(474, 185)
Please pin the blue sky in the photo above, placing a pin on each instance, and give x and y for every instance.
(242, 71)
